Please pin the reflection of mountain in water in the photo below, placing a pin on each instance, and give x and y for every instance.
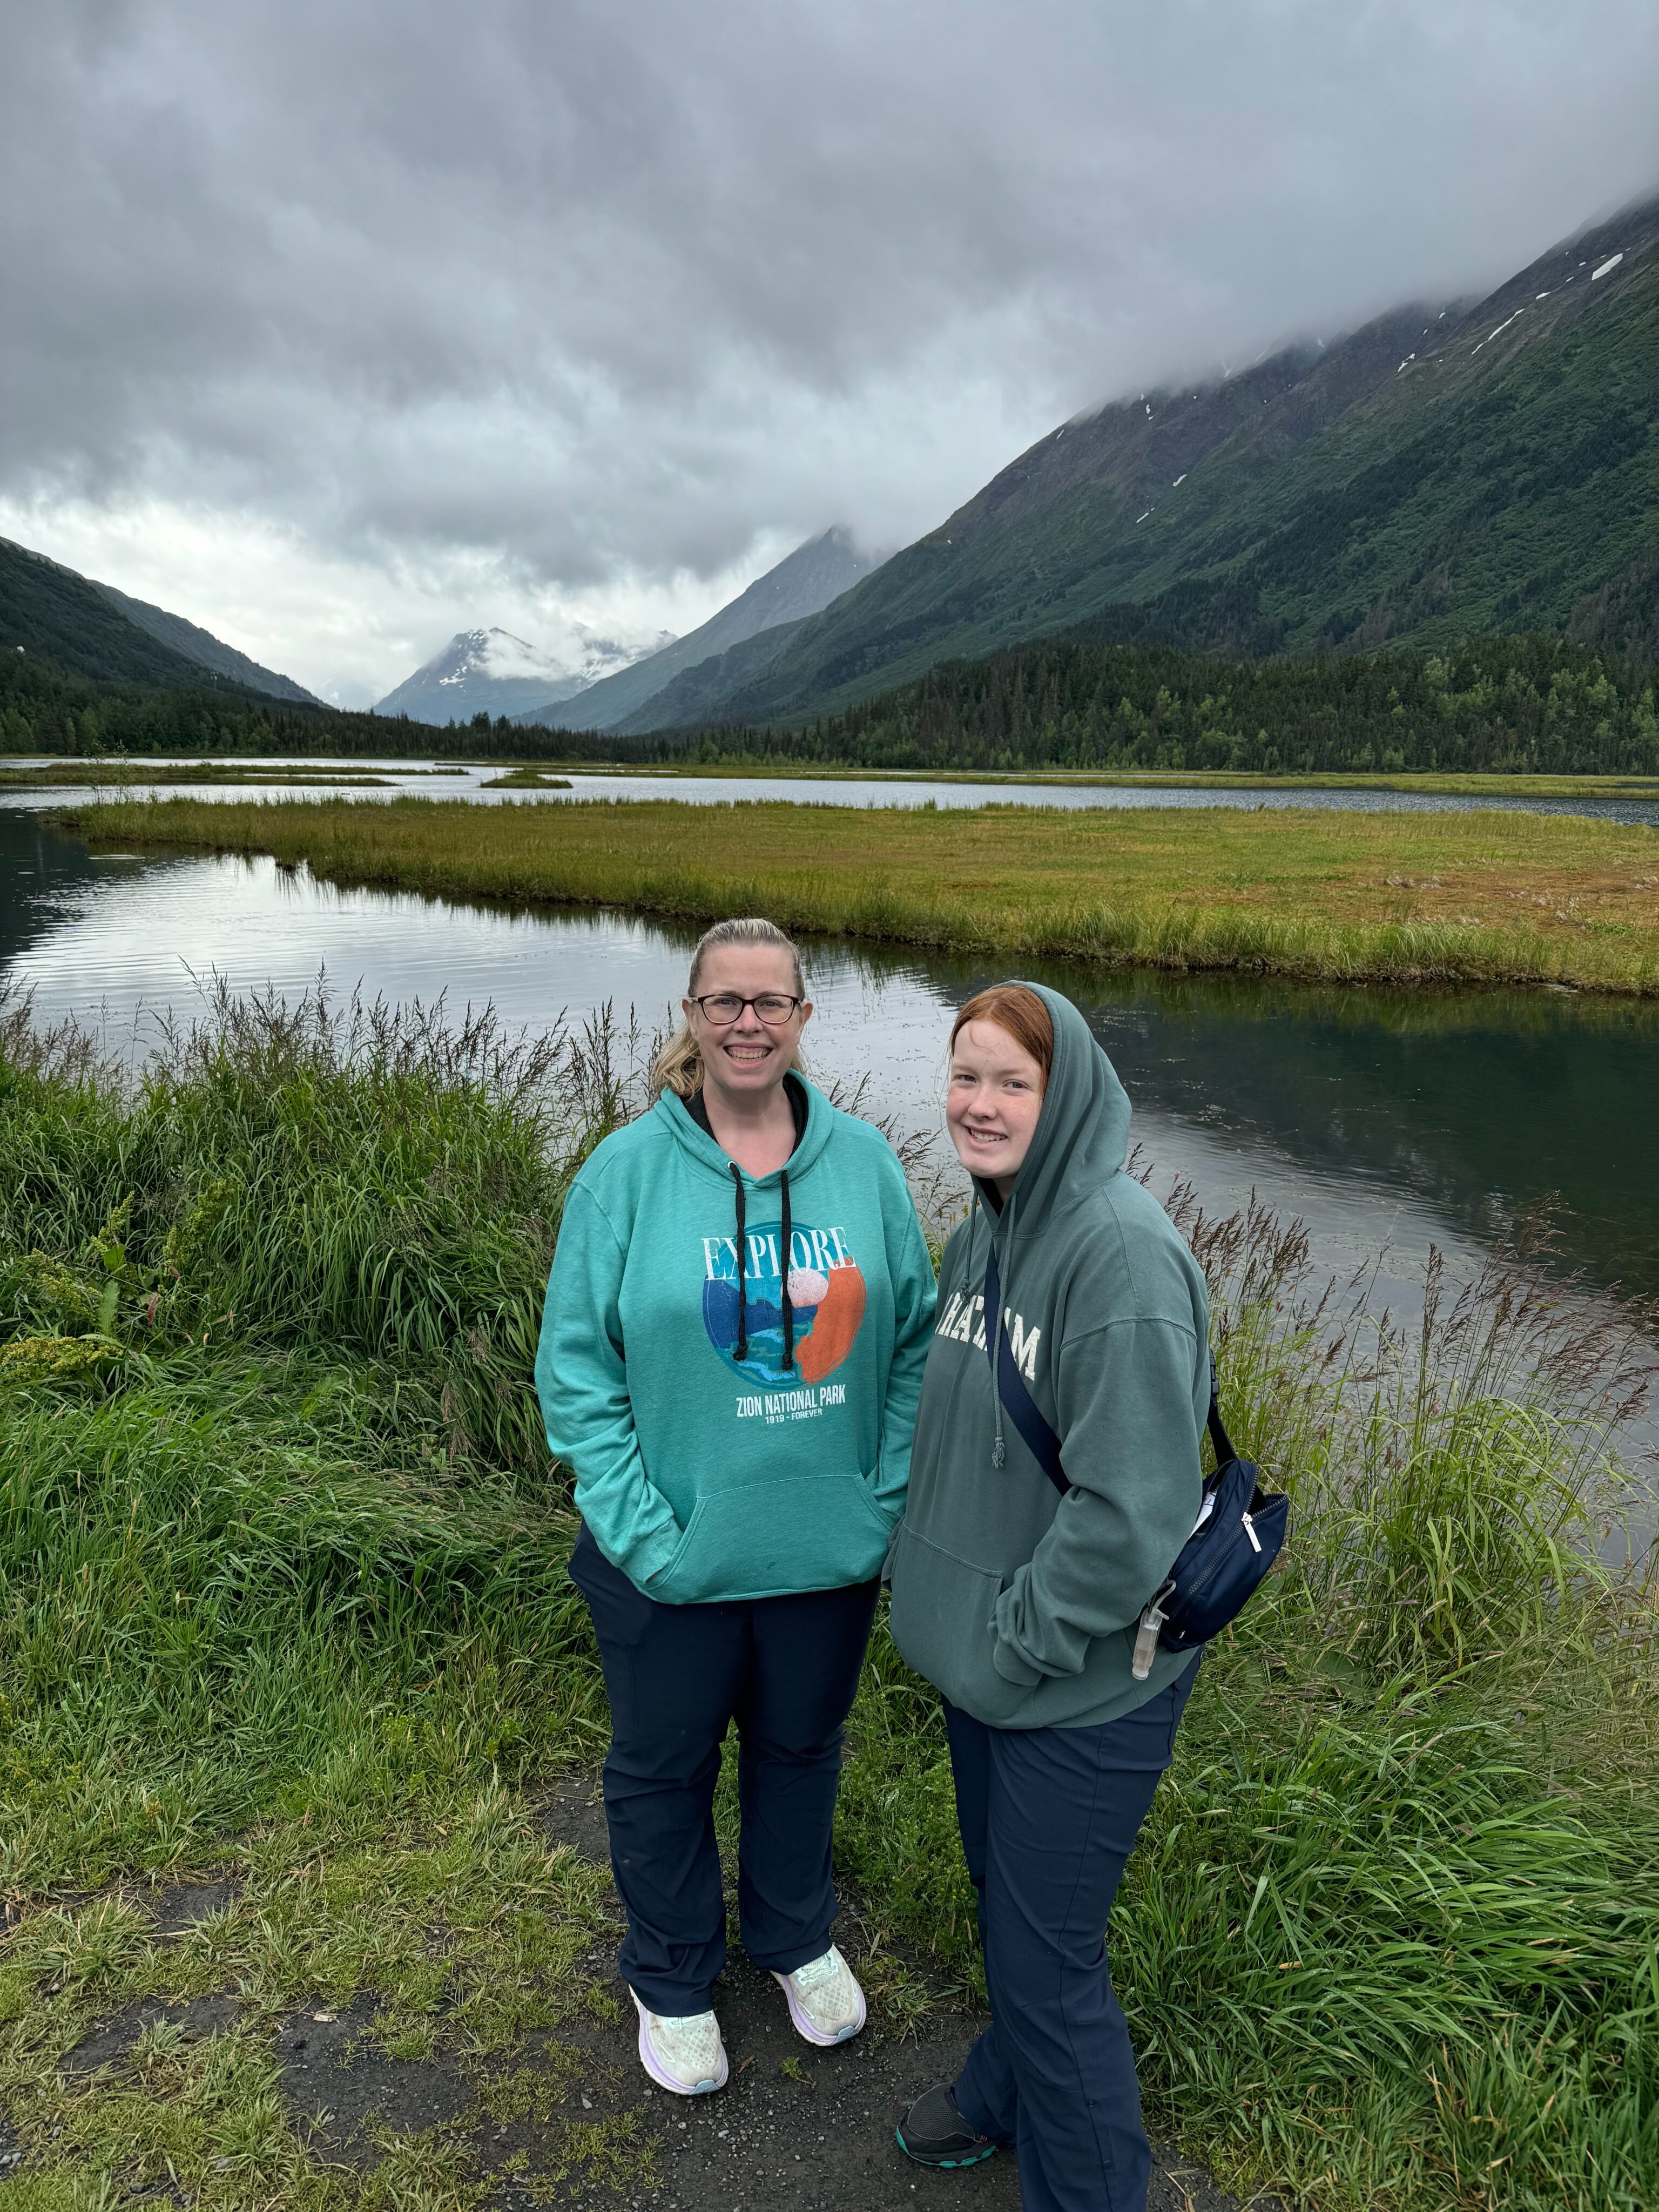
(1482, 1104)
(37, 867)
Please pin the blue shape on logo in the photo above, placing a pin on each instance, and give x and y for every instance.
(762, 1363)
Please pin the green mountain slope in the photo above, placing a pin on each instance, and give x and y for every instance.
(694, 695)
(805, 581)
(202, 646)
(91, 629)
(53, 612)
(1438, 474)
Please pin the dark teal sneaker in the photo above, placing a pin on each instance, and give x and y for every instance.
(935, 2133)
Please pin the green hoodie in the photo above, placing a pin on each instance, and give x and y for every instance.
(738, 1422)
(1021, 1604)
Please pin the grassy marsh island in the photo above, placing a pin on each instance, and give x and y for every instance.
(1473, 896)
(72, 774)
(284, 1635)
(528, 778)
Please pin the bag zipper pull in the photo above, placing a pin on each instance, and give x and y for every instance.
(1249, 1530)
(1146, 1640)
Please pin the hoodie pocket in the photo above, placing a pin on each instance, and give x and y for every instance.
(941, 1622)
(775, 1539)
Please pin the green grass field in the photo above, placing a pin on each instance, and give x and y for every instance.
(281, 1604)
(1477, 898)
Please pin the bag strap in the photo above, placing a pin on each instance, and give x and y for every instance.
(1219, 1436)
(1024, 1412)
(1017, 1402)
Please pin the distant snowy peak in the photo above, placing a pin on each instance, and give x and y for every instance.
(492, 653)
(493, 672)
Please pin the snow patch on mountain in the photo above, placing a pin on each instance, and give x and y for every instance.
(494, 672)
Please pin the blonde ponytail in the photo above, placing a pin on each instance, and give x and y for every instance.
(678, 1066)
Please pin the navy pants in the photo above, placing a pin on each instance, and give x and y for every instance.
(784, 1668)
(1049, 1818)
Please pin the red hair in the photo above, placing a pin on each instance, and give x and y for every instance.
(1020, 1013)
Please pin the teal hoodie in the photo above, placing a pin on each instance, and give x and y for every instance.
(1020, 1605)
(713, 1459)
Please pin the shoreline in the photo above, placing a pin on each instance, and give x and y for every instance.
(232, 768)
(1475, 899)
(1429, 783)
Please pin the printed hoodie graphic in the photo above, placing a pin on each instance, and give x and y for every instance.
(730, 1364)
(1020, 1605)
(826, 1300)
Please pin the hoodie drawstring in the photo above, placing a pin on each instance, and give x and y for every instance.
(783, 1270)
(743, 1257)
(743, 1297)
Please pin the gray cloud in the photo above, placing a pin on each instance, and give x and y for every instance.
(607, 291)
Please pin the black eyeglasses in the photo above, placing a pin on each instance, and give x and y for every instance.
(722, 1008)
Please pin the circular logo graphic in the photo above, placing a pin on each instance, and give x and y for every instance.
(826, 1297)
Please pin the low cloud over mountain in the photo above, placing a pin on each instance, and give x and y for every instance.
(604, 308)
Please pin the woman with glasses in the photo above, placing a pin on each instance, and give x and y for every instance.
(737, 1322)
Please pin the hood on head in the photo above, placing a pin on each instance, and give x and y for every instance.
(1082, 1136)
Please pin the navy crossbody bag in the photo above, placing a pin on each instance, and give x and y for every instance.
(1238, 1533)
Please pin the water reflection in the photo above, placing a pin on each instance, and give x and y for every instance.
(39, 873)
(1385, 1117)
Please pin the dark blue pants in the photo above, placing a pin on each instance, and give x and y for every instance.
(1049, 1818)
(784, 1668)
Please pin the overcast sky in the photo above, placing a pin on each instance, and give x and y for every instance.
(340, 326)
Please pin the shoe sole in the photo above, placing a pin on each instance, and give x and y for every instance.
(942, 2165)
(803, 2026)
(661, 2078)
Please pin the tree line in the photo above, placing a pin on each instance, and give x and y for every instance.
(1520, 705)
(46, 709)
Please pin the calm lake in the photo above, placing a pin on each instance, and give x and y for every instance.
(1388, 1119)
(432, 780)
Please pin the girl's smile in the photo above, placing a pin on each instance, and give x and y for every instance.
(994, 1101)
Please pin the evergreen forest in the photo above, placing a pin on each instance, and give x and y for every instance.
(1516, 705)
(45, 709)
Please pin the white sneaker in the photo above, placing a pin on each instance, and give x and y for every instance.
(686, 2056)
(825, 2001)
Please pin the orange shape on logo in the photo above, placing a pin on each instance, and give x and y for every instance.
(834, 1326)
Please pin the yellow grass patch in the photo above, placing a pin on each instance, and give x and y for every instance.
(1397, 896)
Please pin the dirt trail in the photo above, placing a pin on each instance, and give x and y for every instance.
(800, 2127)
(568, 2117)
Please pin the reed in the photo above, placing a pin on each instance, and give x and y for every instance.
(281, 1587)
(1471, 897)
